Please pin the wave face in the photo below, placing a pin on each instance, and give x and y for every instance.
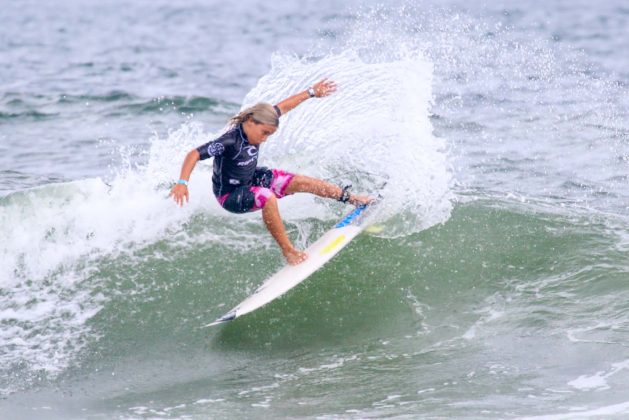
(494, 287)
(53, 289)
(478, 299)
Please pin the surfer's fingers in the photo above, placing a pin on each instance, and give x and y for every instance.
(173, 194)
(177, 198)
(324, 87)
(178, 193)
(183, 196)
(330, 87)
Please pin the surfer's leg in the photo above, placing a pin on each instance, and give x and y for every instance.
(245, 199)
(275, 225)
(302, 183)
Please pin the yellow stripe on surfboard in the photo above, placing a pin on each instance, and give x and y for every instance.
(329, 247)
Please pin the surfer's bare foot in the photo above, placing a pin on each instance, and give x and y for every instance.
(294, 256)
(360, 200)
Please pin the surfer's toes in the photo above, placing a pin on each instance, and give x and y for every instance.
(295, 257)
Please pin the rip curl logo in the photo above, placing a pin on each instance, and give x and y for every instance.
(215, 149)
(252, 151)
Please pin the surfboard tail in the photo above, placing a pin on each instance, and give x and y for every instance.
(225, 318)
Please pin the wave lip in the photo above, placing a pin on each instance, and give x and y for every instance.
(375, 130)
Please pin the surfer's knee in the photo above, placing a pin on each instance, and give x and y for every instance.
(262, 196)
(270, 201)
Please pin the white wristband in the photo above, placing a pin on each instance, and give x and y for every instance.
(311, 92)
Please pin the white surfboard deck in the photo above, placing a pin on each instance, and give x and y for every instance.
(319, 253)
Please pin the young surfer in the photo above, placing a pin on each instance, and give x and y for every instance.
(241, 186)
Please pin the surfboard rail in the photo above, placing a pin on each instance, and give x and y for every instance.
(319, 253)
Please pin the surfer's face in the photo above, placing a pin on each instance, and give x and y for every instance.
(256, 132)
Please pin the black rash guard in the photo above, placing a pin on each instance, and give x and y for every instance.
(235, 160)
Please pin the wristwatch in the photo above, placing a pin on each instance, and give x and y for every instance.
(311, 92)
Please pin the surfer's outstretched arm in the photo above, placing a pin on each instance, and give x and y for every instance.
(320, 89)
(180, 190)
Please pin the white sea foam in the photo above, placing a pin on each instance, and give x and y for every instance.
(598, 381)
(375, 129)
(596, 413)
(52, 237)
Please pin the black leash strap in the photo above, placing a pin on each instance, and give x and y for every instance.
(344, 198)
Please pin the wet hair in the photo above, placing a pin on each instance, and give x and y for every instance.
(261, 113)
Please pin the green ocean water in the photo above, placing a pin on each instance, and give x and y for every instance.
(496, 288)
(502, 299)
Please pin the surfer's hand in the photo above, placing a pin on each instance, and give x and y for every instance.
(324, 87)
(179, 192)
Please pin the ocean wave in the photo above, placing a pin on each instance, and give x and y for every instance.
(99, 263)
(26, 106)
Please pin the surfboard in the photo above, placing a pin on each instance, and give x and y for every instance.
(319, 253)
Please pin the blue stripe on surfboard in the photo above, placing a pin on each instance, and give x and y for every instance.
(348, 219)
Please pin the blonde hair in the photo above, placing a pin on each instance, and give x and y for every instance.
(261, 113)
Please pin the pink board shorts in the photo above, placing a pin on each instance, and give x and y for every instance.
(254, 197)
